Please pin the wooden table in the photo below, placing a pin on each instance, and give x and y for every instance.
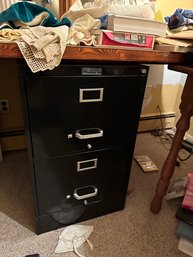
(109, 54)
(178, 61)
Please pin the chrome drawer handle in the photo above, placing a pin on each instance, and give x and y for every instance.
(89, 133)
(85, 99)
(92, 162)
(77, 192)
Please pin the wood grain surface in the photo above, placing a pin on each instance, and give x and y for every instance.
(11, 50)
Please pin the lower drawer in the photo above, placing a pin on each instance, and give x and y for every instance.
(68, 216)
(81, 186)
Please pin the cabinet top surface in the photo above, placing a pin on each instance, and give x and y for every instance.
(11, 50)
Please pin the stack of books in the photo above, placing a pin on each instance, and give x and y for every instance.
(130, 32)
(187, 202)
(185, 216)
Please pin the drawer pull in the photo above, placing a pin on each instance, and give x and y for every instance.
(89, 133)
(90, 95)
(85, 192)
(87, 165)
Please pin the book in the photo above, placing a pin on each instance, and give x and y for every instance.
(185, 230)
(125, 39)
(185, 246)
(146, 163)
(120, 23)
(187, 202)
(190, 182)
(185, 215)
(177, 188)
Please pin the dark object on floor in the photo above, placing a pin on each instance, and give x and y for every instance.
(187, 146)
(185, 215)
(33, 255)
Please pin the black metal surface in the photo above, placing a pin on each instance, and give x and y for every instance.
(53, 114)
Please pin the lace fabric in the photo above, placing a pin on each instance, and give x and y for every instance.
(43, 47)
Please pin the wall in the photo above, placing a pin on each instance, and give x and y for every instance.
(54, 7)
(166, 86)
(168, 7)
(11, 123)
(162, 96)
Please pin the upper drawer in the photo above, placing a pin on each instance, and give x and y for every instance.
(68, 114)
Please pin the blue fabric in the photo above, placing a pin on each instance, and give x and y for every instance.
(185, 13)
(104, 21)
(181, 17)
(26, 12)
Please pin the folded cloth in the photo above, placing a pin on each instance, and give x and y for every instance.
(24, 14)
(43, 47)
(9, 35)
(73, 237)
(80, 28)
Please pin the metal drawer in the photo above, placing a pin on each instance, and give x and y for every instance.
(72, 114)
(82, 179)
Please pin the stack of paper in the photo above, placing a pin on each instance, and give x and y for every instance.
(175, 42)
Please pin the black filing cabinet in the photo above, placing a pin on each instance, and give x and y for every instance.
(81, 124)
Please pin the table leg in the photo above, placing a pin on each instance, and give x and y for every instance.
(186, 108)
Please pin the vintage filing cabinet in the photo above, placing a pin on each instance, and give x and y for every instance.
(81, 123)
